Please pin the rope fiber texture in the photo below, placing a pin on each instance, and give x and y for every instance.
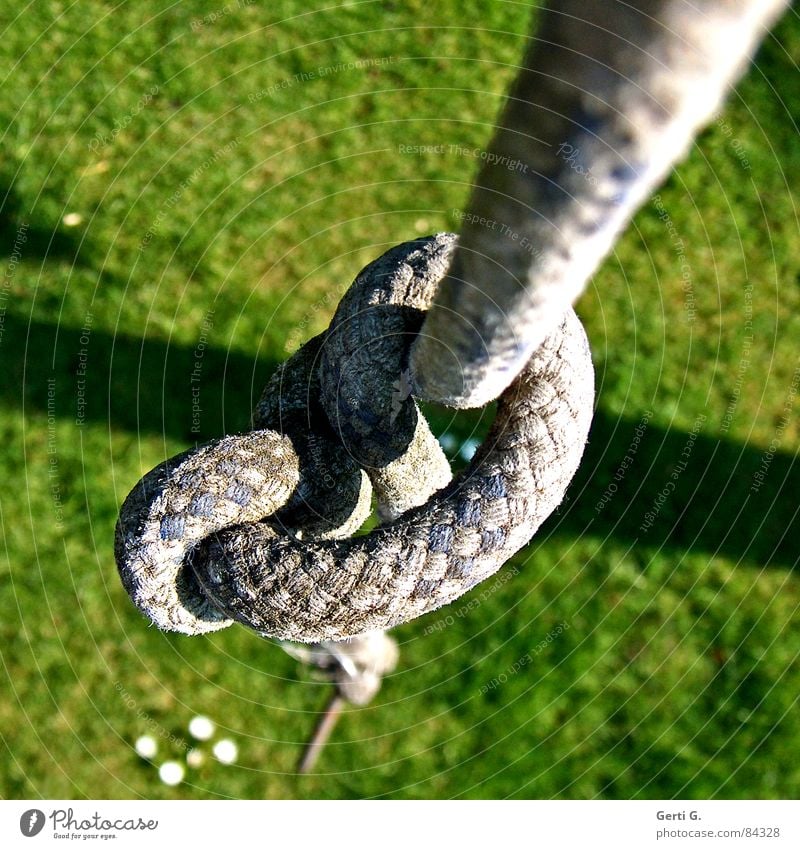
(250, 527)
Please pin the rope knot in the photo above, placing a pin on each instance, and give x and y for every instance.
(258, 527)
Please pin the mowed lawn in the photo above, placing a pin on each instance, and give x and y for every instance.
(178, 179)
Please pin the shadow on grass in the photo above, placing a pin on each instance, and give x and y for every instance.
(705, 492)
(146, 386)
(45, 241)
(728, 498)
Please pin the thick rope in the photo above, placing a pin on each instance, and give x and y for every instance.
(293, 469)
(247, 527)
(364, 373)
(609, 97)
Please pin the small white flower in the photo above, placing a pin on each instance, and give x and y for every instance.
(171, 773)
(195, 758)
(201, 728)
(72, 219)
(226, 751)
(146, 747)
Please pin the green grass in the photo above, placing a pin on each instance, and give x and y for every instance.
(679, 672)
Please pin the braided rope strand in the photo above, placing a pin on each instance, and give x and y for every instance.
(609, 97)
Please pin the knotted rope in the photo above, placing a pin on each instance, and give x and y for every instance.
(258, 527)
(228, 531)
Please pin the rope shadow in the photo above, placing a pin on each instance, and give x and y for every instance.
(728, 499)
(138, 385)
(684, 491)
(40, 240)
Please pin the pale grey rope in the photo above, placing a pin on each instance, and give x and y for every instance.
(194, 546)
(609, 97)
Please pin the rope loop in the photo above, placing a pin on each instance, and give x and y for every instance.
(258, 527)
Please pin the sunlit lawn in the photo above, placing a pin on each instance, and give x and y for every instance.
(186, 179)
